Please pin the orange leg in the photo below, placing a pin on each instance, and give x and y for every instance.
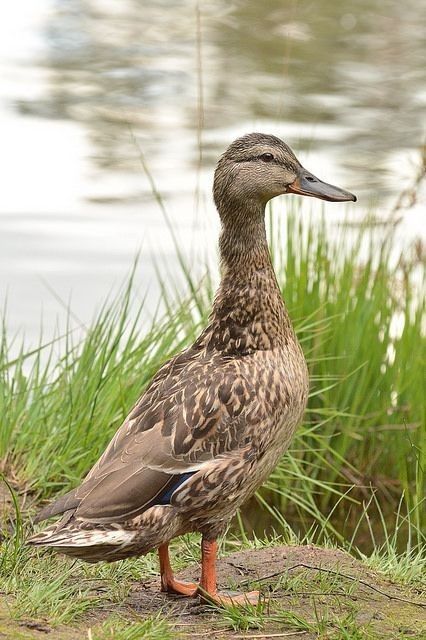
(168, 581)
(208, 583)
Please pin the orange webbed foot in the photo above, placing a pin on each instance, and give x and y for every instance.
(179, 587)
(221, 599)
(208, 585)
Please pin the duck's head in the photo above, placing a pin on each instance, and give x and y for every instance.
(258, 167)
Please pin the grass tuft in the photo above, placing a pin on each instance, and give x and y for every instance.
(151, 628)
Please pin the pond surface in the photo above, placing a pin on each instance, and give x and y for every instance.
(89, 85)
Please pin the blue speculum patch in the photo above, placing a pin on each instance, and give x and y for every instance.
(165, 498)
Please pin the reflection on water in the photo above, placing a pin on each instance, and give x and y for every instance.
(360, 70)
(344, 83)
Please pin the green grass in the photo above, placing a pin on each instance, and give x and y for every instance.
(151, 628)
(41, 585)
(322, 624)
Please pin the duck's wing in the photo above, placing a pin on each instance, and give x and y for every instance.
(189, 415)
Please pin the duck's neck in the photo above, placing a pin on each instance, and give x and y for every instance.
(248, 312)
(242, 244)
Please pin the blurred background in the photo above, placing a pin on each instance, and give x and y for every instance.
(96, 94)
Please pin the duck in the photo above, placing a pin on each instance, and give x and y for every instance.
(216, 418)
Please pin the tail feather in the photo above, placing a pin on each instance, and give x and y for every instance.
(42, 537)
(74, 537)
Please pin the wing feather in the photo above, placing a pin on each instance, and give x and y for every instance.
(188, 416)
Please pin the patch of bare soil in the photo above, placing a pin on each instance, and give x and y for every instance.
(309, 592)
(325, 587)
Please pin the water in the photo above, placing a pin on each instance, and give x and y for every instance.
(344, 84)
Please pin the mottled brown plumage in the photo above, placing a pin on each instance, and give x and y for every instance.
(215, 419)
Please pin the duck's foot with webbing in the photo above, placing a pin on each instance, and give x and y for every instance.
(207, 589)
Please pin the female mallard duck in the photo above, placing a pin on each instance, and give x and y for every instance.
(215, 419)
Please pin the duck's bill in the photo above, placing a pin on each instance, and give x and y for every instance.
(306, 184)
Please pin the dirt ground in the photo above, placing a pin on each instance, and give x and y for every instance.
(309, 592)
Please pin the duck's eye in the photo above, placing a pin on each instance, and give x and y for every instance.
(266, 157)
